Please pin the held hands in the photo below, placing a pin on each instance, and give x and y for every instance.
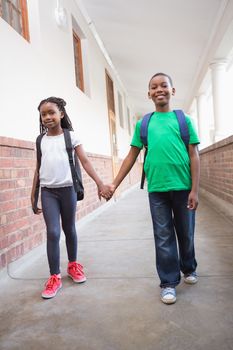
(106, 191)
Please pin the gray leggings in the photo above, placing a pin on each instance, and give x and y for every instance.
(56, 203)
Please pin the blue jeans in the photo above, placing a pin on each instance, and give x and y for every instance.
(59, 203)
(173, 223)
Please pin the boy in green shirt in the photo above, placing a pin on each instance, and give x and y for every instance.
(172, 174)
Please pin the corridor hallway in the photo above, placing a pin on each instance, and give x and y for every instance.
(118, 308)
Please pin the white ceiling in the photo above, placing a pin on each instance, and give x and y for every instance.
(150, 36)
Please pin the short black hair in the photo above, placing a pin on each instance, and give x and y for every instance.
(165, 75)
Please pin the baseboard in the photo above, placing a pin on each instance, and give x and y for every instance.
(221, 206)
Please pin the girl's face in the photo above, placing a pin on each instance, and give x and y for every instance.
(51, 115)
(160, 91)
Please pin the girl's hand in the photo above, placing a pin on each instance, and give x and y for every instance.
(107, 191)
(192, 201)
(37, 211)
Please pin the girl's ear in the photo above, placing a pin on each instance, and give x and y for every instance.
(149, 96)
(173, 91)
(62, 115)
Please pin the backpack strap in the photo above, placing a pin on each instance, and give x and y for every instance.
(69, 148)
(38, 157)
(144, 128)
(143, 136)
(38, 149)
(184, 131)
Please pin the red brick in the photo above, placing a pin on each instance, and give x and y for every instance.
(217, 169)
(5, 173)
(6, 163)
(7, 184)
(2, 260)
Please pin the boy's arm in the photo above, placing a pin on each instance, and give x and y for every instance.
(90, 170)
(126, 166)
(195, 175)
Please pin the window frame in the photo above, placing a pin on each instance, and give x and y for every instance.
(22, 12)
(79, 75)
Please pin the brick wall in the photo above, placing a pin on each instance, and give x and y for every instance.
(20, 229)
(217, 169)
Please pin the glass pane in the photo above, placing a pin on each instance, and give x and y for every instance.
(6, 11)
(77, 62)
(15, 3)
(16, 21)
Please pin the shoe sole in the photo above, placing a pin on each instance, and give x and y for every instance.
(45, 296)
(78, 281)
(168, 302)
(190, 282)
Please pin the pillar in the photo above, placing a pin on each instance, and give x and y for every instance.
(203, 120)
(218, 77)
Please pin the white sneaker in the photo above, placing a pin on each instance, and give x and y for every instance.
(191, 278)
(168, 295)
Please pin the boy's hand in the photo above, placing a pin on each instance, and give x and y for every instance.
(192, 201)
(107, 191)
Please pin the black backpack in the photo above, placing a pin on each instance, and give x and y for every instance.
(74, 167)
(184, 133)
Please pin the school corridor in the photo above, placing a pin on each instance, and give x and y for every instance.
(118, 308)
(99, 56)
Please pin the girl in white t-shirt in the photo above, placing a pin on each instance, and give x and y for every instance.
(58, 196)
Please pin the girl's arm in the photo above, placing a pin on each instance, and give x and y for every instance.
(35, 179)
(195, 175)
(90, 170)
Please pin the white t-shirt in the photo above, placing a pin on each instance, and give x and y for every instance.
(55, 168)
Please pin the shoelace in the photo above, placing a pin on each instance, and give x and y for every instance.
(168, 291)
(76, 267)
(52, 280)
(193, 274)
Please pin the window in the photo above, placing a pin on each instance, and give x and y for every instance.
(120, 108)
(78, 61)
(15, 13)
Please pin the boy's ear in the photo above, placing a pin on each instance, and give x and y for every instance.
(149, 96)
(173, 91)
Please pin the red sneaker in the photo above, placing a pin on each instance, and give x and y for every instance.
(52, 286)
(75, 271)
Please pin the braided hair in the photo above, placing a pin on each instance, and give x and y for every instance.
(65, 121)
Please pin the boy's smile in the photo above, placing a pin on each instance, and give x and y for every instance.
(160, 91)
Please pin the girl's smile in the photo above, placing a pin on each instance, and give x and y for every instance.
(51, 117)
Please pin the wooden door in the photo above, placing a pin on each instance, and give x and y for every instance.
(112, 122)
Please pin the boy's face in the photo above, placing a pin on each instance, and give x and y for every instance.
(160, 91)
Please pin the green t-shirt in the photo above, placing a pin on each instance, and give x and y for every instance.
(167, 165)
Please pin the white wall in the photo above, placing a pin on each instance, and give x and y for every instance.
(44, 67)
